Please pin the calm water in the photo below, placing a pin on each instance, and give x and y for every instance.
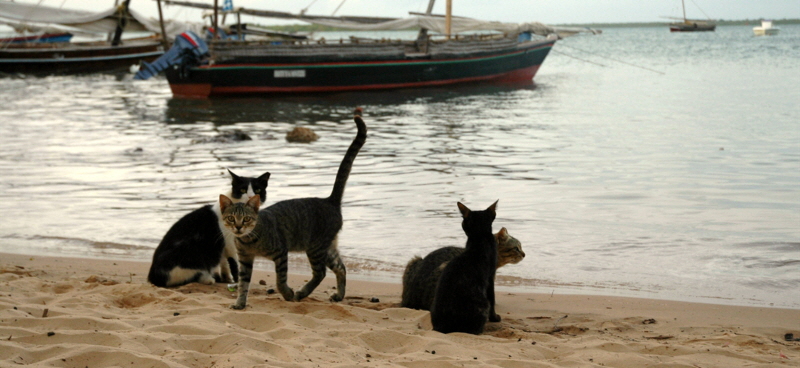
(616, 179)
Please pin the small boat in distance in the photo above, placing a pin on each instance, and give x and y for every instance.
(692, 25)
(766, 29)
(507, 53)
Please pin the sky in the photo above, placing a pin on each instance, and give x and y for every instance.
(545, 11)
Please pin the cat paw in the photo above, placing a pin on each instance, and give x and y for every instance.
(226, 280)
(298, 296)
(237, 306)
(494, 318)
(289, 296)
(336, 298)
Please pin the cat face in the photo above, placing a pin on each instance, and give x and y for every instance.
(242, 188)
(509, 249)
(240, 218)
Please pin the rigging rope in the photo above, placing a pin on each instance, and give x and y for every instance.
(612, 59)
(575, 57)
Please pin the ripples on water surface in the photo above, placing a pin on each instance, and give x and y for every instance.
(616, 179)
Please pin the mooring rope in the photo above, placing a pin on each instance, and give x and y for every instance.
(612, 59)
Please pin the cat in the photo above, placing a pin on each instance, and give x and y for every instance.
(308, 225)
(422, 274)
(198, 247)
(464, 297)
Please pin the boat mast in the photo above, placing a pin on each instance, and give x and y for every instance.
(164, 40)
(683, 5)
(216, 14)
(448, 17)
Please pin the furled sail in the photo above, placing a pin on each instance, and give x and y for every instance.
(431, 22)
(31, 17)
(459, 24)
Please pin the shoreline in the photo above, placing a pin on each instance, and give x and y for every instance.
(104, 313)
(392, 274)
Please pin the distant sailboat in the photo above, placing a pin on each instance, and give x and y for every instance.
(692, 25)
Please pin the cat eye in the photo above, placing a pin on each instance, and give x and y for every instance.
(230, 219)
(246, 219)
(243, 191)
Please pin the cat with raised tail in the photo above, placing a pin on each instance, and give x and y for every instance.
(198, 247)
(464, 298)
(309, 225)
(422, 274)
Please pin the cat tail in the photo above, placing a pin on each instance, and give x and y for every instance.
(412, 270)
(349, 157)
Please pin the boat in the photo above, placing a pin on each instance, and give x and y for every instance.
(508, 54)
(115, 53)
(43, 37)
(692, 25)
(766, 29)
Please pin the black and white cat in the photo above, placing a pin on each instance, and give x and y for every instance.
(198, 247)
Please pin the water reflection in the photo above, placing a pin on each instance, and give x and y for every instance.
(313, 108)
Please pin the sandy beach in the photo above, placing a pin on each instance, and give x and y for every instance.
(70, 312)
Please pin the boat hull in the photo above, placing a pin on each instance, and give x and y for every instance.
(519, 64)
(72, 58)
(692, 27)
(758, 31)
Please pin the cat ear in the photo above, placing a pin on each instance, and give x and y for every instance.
(224, 202)
(464, 210)
(254, 202)
(234, 177)
(493, 207)
(264, 177)
(502, 234)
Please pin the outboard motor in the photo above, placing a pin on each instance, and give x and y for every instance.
(188, 48)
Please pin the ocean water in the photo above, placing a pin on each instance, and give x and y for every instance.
(639, 163)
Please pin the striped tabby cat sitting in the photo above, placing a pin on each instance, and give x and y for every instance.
(422, 274)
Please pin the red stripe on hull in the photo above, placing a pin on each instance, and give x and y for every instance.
(194, 90)
(206, 90)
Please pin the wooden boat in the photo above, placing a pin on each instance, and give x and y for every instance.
(75, 57)
(235, 67)
(766, 29)
(84, 57)
(356, 66)
(692, 25)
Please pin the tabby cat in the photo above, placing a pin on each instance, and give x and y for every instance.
(198, 248)
(464, 297)
(422, 274)
(306, 225)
